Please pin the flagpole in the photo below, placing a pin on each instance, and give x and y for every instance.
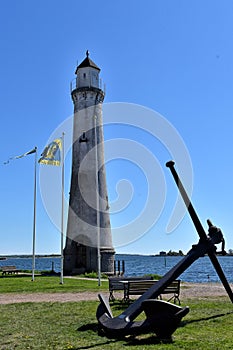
(97, 209)
(62, 204)
(34, 219)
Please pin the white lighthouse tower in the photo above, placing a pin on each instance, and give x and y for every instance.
(89, 239)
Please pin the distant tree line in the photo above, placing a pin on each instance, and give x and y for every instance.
(172, 253)
(180, 253)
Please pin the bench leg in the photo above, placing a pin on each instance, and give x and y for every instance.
(176, 298)
(111, 296)
(125, 299)
(126, 295)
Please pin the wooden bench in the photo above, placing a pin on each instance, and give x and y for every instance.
(140, 287)
(9, 270)
(116, 283)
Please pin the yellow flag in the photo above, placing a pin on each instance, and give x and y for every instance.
(52, 153)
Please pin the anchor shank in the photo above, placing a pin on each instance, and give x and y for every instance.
(191, 210)
(200, 229)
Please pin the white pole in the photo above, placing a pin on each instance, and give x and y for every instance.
(34, 220)
(62, 205)
(97, 209)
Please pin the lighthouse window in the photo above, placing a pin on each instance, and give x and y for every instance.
(83, 137)
(84, 75)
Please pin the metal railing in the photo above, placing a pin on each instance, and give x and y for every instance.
(74, 85)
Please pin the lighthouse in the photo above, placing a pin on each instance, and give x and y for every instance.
(88, 239)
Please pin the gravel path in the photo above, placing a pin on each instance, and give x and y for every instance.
(203, 290)
(11, 298)
(188, 290)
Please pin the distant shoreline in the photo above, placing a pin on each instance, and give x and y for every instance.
(23, 256)
(16, 256)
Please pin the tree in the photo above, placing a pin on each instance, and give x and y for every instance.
(172, 253)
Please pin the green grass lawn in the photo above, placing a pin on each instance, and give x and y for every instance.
(73, 325)
(44, 284)
(60, 326)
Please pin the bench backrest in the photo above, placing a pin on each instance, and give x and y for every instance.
(115, 282)
(174, 287)
(140, 287)
(8, 268)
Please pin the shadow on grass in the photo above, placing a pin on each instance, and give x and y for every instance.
(185, 322)
(150, 339)
(94, 328)
(89, 327)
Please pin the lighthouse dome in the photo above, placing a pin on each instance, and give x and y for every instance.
(87, 73)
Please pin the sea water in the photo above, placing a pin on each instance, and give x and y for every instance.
(200, 271)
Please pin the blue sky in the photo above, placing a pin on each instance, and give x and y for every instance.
(174, 57)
